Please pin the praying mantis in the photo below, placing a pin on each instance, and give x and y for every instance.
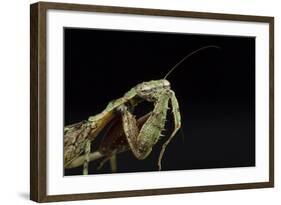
(126, 133)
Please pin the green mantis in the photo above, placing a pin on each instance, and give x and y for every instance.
(127, 133)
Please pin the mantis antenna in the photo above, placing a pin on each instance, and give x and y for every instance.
(182, 60)
(187, 56)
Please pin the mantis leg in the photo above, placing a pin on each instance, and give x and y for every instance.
(112, 159)
(87, 157)
(113, 163)
(141, 141)
(102, 163)
(177, 123)
(80, 160)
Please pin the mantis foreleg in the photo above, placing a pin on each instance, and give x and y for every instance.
(141, 141)
(177, 123)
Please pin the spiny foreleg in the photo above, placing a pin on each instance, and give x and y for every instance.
(141, 141)
(177, 125)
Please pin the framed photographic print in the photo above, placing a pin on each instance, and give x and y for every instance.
(133, 102)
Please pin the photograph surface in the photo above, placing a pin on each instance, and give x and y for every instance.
(122, 103)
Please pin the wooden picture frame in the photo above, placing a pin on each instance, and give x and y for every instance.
(39, 100)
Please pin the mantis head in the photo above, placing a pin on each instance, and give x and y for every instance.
(150, 90)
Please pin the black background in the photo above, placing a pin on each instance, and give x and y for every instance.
(215, 89)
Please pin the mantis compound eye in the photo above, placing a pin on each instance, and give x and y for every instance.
(166, 84)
